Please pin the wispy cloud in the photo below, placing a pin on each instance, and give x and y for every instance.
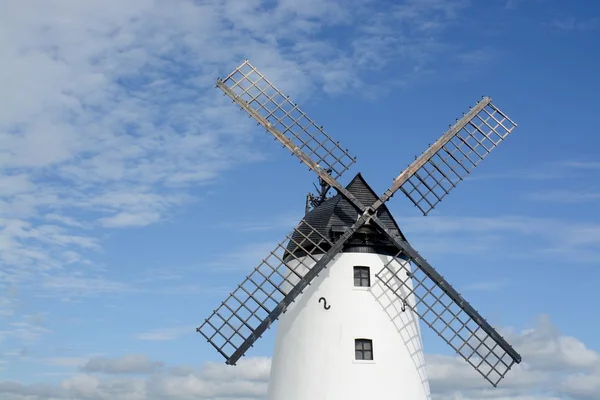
(564, 196)
(284, 222)
(129, 364)
(485, 286)
(585, 165)
(573, 24)
(411, 31)
(547, 171)
(8, 299)
(528, 237)
(69, 285)
(244, 257)
(27, 329)
(109, 113)
(479, 57)
(127, 220)
(515, 4)
(165, 334)
(67, 362)
(64, 220)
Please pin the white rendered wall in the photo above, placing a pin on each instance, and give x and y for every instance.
(314, 348)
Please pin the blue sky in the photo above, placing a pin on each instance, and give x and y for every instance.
(134, 196)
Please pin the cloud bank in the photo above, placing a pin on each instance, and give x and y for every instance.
(554, 366)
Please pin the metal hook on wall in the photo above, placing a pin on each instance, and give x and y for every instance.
(325, 306)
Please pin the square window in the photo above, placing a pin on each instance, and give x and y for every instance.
(362, 276)
(363, 349)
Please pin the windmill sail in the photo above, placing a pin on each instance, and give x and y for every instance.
(258, 301)
(453, 156)
(449, 315)
(252, 91)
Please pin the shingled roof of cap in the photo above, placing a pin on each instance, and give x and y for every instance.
(338, 212)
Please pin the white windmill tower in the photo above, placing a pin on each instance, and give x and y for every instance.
(341, 283)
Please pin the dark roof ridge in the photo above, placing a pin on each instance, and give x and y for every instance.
(359, 177)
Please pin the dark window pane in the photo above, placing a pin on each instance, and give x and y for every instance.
(362, 276)
(363, 349)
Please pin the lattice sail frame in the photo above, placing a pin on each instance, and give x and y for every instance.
(255, 301)
(246, 85)
(446, 318)
(245, 89)
(458, 153)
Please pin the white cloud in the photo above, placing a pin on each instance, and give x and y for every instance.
(129, 364)
(550, 361)
(584, 386)
(554, 366)
(547, 349)
(165, 333)
(451, 375)
(109, 113)
(81, 385)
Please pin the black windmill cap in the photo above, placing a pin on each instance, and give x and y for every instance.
(336, 214)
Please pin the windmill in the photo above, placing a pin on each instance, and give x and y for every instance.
(346, 286)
